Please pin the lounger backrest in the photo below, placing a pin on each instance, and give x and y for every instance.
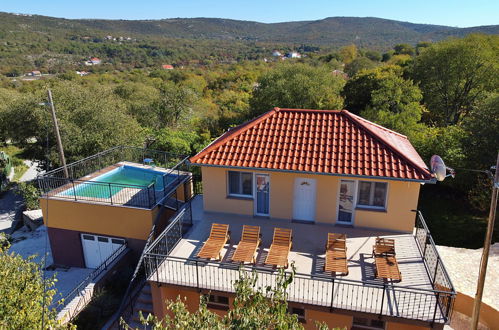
(336, 241)
(250, 234)
(386, 243)
(282, 236)
(219, 231)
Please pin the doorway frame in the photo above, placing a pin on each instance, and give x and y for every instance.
(255, 198)
(315, 200)
(354, 206)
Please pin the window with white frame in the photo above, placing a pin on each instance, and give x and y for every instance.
(240, 183)
(372, 194)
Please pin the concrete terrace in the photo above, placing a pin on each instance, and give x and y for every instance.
(360, 290)
(128, 195)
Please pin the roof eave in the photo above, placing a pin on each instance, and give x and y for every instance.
(431, 180)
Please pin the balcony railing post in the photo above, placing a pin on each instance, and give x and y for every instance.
(110, 193)
(435, 273)
(74, 190)
(436, 306)
(157, 268)
(197, 274)
(332, 294)
(427, 238)
(382, 299)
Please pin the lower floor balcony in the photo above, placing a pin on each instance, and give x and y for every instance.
(424, 293)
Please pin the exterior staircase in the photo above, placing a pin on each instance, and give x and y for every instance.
(142, 304)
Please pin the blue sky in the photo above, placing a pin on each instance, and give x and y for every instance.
(442, 12)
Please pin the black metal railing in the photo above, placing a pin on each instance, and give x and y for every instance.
(75, 187)
(78, 291)
(326, 291)
(437, 273)
(429, 305)
(170, 236)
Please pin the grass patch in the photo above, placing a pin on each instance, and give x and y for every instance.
(451, 219)
(17, 156)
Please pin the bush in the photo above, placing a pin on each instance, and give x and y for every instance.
(30, 195)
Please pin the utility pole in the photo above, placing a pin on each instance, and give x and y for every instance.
(486, 248)
(58, 135)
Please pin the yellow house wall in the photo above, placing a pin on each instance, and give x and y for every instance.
(402, 198)
(97, 218)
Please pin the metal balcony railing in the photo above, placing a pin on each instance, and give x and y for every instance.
(428, 305)
(55, 184)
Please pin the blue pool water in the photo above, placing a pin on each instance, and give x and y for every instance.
(120, 178)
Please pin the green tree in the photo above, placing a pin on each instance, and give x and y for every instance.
(358, 64)
(455, 75)
(91, 119)
(348, 53)
(481, 145)
(404, 49)
(175, 102)
(24, 294)
(297, 86)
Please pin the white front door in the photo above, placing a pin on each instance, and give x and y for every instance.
(346, 202)
(96, 249)
(262, 194)
(304, 199)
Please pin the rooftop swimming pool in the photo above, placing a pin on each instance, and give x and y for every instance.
(114, 181)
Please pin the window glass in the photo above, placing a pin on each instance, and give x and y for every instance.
(364, 193)
(234, 182)
(372, 194)
(247, 183)
(240, 183)
(379, 194)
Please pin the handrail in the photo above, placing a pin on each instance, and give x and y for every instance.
(433, 245)
(77, 290)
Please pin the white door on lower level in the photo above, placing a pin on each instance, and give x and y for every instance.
(304, 199)
(96, 249)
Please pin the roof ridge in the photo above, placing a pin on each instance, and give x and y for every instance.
(377, 125)
(383, 140)
(239, 129)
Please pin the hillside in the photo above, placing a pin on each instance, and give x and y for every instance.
(53, 45)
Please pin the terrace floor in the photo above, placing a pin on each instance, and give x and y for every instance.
(309, 241)
(308, 257)
(127, 195)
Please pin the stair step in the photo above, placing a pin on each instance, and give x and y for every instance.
(145, 308)
(146, 289)
(145, 298)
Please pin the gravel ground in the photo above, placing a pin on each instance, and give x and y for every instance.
(463, 266)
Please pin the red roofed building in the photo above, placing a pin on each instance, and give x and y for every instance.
(167, 66)
(325, 166)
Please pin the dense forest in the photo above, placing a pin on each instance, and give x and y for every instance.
(443, 95)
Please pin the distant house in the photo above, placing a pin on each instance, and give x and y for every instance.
(34, 73)
(95, 60)
(293, 55)
(167, 66)
(82, 73)
(276, 53)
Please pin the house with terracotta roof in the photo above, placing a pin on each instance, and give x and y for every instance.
(344, 189)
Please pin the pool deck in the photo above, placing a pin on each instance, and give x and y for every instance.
(127, 196)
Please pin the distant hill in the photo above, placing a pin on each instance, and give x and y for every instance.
(332, 31)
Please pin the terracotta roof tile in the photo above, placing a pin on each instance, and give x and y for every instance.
(320, 141)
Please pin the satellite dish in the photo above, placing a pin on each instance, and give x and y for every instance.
(437, 167)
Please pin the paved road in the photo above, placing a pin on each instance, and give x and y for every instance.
(10, 201)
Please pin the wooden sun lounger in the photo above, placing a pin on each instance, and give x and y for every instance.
(336, 254)
(384, 246)
(213, 246)
(279, 250)
(387, 268)
(246, 249)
